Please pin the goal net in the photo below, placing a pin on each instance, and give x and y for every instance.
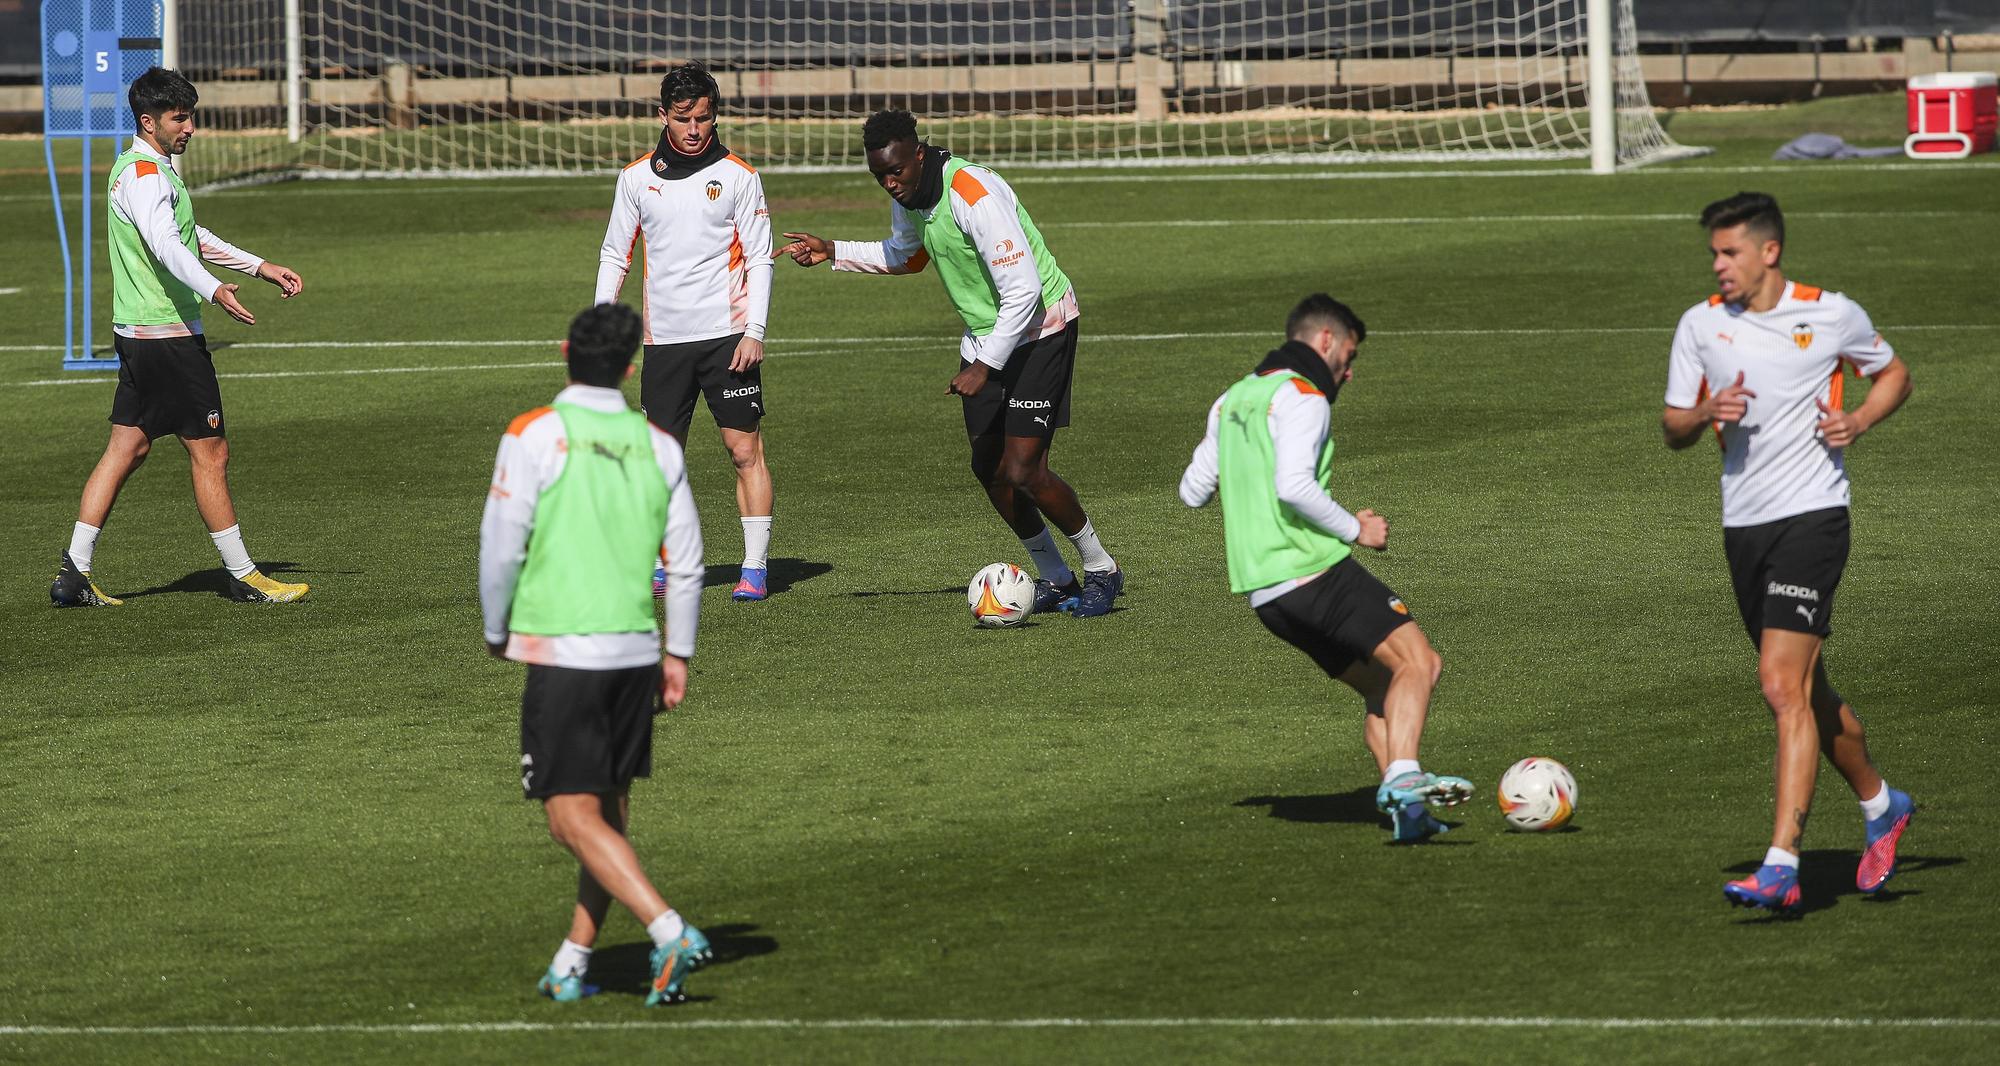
(439, 87)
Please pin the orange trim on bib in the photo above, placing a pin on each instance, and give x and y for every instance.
(968, 188)
(520, 423)
(143, 168)
(1808, 293)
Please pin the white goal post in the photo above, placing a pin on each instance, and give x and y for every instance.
(470, 87)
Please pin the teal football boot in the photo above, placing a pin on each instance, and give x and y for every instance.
(673, 962)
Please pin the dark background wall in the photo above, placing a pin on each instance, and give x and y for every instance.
(733, 32)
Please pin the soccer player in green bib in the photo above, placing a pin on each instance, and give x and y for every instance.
(1270, 451)
(587, 496)
(166, 380)
(1019, 346)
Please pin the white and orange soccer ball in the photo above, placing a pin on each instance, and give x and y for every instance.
(1537, 794)
(1001, 594)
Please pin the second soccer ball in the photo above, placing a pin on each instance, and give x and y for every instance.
(1001, 594)
(1537, 794)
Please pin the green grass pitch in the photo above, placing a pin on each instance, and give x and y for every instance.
(235, 834)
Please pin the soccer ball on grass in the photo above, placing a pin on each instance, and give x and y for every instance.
(1001, 594)
(1537, 794)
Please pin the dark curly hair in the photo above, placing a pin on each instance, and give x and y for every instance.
(602, 340)
(886, 127)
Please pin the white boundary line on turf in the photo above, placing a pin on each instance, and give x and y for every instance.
(845, 343)
(1436, 1022)
(502, 183)
(1677, 216)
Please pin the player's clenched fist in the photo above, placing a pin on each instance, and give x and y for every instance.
(1732, 403)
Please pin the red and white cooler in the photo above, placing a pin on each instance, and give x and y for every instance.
(1952, 115)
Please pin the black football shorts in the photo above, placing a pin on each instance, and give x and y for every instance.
(1029, 397)
(166, 385)
(1339, 618)
(587, 731)
(673, 373)
(1785, 571)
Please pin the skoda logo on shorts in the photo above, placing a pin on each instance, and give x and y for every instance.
(714, 190)
(1033, 405)
(737, 394)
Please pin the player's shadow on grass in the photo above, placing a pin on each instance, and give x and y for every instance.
(1353, 808)
(215, 581)
(626, 969)
(1827, 874)
(780, 574)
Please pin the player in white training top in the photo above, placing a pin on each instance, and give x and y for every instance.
(1760, 364)
(707, 293)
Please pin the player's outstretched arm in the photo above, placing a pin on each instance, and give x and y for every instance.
(807, 250)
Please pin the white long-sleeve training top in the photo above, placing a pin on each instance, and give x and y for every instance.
(1299, 422)
(985, 208)
(145, 198)
(531, 458)
(708, 250)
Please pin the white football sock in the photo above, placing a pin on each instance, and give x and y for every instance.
(1399, 767)
(1872, 809)
(1049, 565)
(1781, 857)
(82, 545)
(235, 557)
(1095, 559)
(756, 542)
(666, 928)
(571, 958)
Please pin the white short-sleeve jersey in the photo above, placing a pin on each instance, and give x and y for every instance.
(1774, 462)
(707, 245)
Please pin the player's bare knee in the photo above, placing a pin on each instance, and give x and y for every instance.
(210, 457)
(747, 455)
(1020, 474)
(1785, 696)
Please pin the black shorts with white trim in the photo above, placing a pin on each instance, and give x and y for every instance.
(673, 374)
(1785, 572)
(1029, 397)
(587, 731)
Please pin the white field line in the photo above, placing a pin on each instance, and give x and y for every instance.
(1437, 1022)
(1043, 177)
(1676, 216)
(845, 344)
